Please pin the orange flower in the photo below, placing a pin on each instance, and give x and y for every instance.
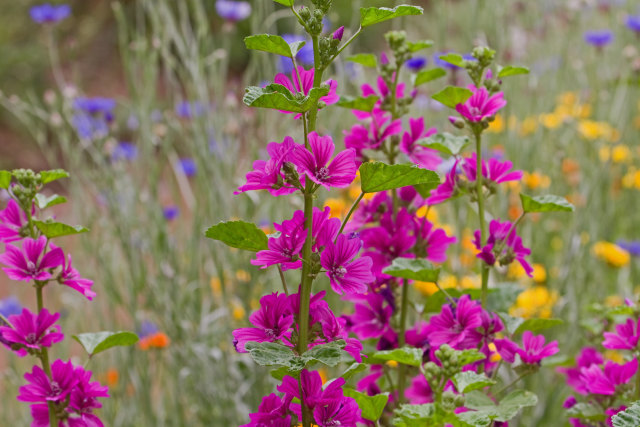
(156, 340)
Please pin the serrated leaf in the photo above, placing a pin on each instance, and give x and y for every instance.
(468, 381)
(278, 97)
(5, 179)
(466, 357)
(273, 44)
(487, 410)
(283, 371)
(452, 96)
(406, 355)
(270, 353)
(371, 406)
(354, 369)
(97, 342)
(329, 354)
(547, 203)
(630, 417)
(446, 143)
(415, 413)
(425, 76)
(454, 59)
(58, 229)
(586, 411)
(512, 71)
(378, 176)
(359, 103)
(419, 45)
(53, 175)
(374, 15)
(239, 235)
(534, 325)
(413, 269)
(425, 189)
(44, 202)
(284, 2)
(365, 59)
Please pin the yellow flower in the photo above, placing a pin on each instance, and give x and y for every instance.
(539, 273)
(494, 355)
(551, 121)
(243, 275)
(567, 98)
(536, 180)
(613, 301)
(591, 129)
(497, 125)
(216, 286)
(515, 271)
(631, 179)
(528, 126)
(557, 243)
(425, 288)
(429, 212)
(337, 206)
(604, 153)
(536, 301)
(470, 282)
(620, 154)
(614, 356)
(392, 363)
(613, 254)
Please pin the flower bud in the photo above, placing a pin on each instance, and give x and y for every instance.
(337, 35)
(457, 122)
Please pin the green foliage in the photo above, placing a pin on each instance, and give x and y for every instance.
(468, 381)
(454, 59)
(452, 96)
(406, 355)
(57, 229)
(358, 102)
(419, 45)
(446, 143)
(278, 97)
(371, 406)
(512, 71)
(413, 269)
(588, 412)
(535, 325)
(44, 202)
(239, 235)
(630, 417)
(365, 59)
(374, 15)
(354, 369)
(97, 342)
(53, 175)
(425, 76)
(5, 179)
(285, 2)
(547, 203)
(270, 353)
(486, 411)
(329, 354)
(426, 415)
(378, 176)
(273, 44)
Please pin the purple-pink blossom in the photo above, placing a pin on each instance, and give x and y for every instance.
(369, 137)
(33, 261)
(446, 190)
(12, 221)
(493, 170)
(453, 327)
(480, 105)
(70, 277)
(31, 332)
(346, 274)
(273, 412)
(424, 157)
(271, 322)
(533, 348)
(625, 338)
(605, 381)
(371, 316)
(433, 241)
(42, 389)
(304, 85)
(315, 163)
(503, 246)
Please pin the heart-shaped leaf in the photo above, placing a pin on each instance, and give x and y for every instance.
(239, 234)
(273, 44)
(413, 269)
(359, 103)
(375, 15)
(548, 203)
(371, 406)
(97, 342)
(365, 59)
(378, 176)
(425, 76)
(452, 96)
(58, 229)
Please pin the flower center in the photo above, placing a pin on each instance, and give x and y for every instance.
(339, 272)
(475, 111)
(31, 338)
(55, 389)
(31, 267)
(322, 173)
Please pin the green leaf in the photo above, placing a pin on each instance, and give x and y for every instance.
(284, 2)
(534, 325)
(512, 71)
(419, 45)
(58, 229)
(375, 15)
(415, 414)
(328, 354)
(278, 97)
(630, 417)
(283, 371)
(454, 59)
(5, 179)
(548, 203)
(413, 269)
(434, 302)
(270, 353)
(358, 102)
(273, 44)
(239, 234)
(468, 381)
(97, 342)
(586, 411)
(365, 59)
(371, 406)
(405, 355)
(487, 411)
(425, 76)
(44, 202)
(510, 322)
(514, 402)
(466, 357)
(354, 369)
(446, 143)
(52, 175)
(378, 176)
(425, 189)
(452, 96)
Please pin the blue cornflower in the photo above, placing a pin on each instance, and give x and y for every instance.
(233, 10)
(598, 38)
(49, 14)
(304, 56)
(188, 166)
(631, 246)
(189, 110)
(147, 328)
(171, 212)
(92, 116)
(124, 151)
(633, 23)
(417, 63)
(10, 306)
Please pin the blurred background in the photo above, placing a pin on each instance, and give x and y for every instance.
(152, 172)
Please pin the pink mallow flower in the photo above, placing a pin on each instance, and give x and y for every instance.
(32, 261)
(42, 389)
(340, 412)
(306, 76)
(370, 137)
(315, 163)
(268, 174)
(273, 411)
(371, 316)
(605, 381)
(346, 274)
(503, 246)
(454, 327)
(625, 338)
(12, 220)
(480, 105)
(424, 157)
(70, 277)
(446, 190)
(434, 241)
(272, 322)
(588, 356)
(493, 170)
(32, 332)
(284, 250)
(532, 351)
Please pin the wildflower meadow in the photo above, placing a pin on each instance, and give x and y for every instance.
(278, 213)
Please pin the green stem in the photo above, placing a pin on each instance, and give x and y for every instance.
(353, 208)
(284, 281)
(44, 358)
(483, 226)
(343, 47)
(521, 376)
(402, 375)
(317, 81)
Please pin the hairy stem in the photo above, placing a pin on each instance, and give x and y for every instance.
(402, 375)
(483, 226)
(44, 358)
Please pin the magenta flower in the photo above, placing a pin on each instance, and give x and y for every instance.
(446, 190)
(305, 87)
(420, 391)
(346, 274)
(494, 170)
(70, 277)
(268, 174)
(503, 246)
(284, 249)
(272, 412)
(370, 137)
(625, 338)
(532, 352)
(371, 316)
(588, 356)
(272, 322)
(32, 332)
(424, 157)
(434, 241)
(605, 382)
(12, 220)
(454, 327)
(343, 412)
(339, 173)
(480, 105)
(42, 389)
(32, 261)
(313, 394)
(381, 92)
(324, 228)
(84, 398)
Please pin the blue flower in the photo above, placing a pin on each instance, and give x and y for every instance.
(147, 328)
(304, 56)
(92, 116)
(49, 14)
(417, 63)
(633, 246)
(598, 38)
(444, 64)
(189, 110)
(171, 212)
(10, 306)
(188, 166)
(124, 151)
(233, 10)
(633, 23)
